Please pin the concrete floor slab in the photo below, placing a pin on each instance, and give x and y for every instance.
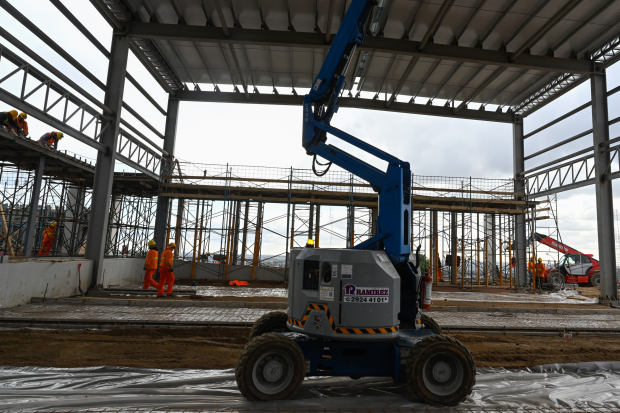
(206, 315)
(121, 313)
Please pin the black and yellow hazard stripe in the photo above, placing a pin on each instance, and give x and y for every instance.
(384, 330)
(339, 330)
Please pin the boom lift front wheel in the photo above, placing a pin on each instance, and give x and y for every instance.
(440, 370)
(271, 367)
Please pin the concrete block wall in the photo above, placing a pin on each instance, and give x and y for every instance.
(20, 281)
(123, 271)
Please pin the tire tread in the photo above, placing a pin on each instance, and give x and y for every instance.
(255, 344)
(266, 322)
(424, 344)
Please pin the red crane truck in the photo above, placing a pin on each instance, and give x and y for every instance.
(574, 266)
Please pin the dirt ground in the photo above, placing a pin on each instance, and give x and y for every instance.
(219, 348)
(515, 351)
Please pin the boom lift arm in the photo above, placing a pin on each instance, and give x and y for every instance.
(392, 185)
(333, 325)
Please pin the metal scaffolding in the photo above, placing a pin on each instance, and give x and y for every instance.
(447, 74)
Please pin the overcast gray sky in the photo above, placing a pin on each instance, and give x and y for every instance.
(271, 135)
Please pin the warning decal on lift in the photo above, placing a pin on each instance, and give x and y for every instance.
(353, 294)
(327, 294)
(346, 271)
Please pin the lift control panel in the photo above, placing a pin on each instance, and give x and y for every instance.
(311, 275)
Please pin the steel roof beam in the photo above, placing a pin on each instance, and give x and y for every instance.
(546, 27)
(456, 69)
(423, 82)
(432, 29)
(526, 22)
(497, 22)
(50, 43)
(346, 102)
(457, 36)
(582, 25)
(379, 44)
(402, 80)
(330, 18)
(45, 64)
(503, 88)
(93, 40)
(479, 89)
(466, 84)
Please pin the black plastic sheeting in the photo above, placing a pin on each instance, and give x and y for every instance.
(553, 386)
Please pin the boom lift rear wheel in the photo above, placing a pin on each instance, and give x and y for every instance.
(269, 323)
(431, 324)
(271, 367)
(441, 371)
(595, 279)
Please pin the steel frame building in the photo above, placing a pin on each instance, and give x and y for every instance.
(495, 60)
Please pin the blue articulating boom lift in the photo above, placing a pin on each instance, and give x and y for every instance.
(355, 312)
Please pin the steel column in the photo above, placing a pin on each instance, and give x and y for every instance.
(161, 217)
(453, 247)
(34, 206)
(104, 172)
(434, 246)
(311, 223)
(518, 166)
(604, 195)
(244, 241)
(317, 226)
(179, 226)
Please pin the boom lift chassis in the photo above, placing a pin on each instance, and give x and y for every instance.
(355, 312)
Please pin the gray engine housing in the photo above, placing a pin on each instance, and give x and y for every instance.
(343, 294)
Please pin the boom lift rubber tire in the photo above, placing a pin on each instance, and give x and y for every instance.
(271, 367)
(556, 279)
(431, 324)
(595, 279)
(269, 323)
(441, 371)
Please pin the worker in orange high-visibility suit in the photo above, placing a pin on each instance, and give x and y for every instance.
(48, 239)
(21, 122)
(150, 266)
(51, 139)
(531, 266)
(541, 277)
(166, 271)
